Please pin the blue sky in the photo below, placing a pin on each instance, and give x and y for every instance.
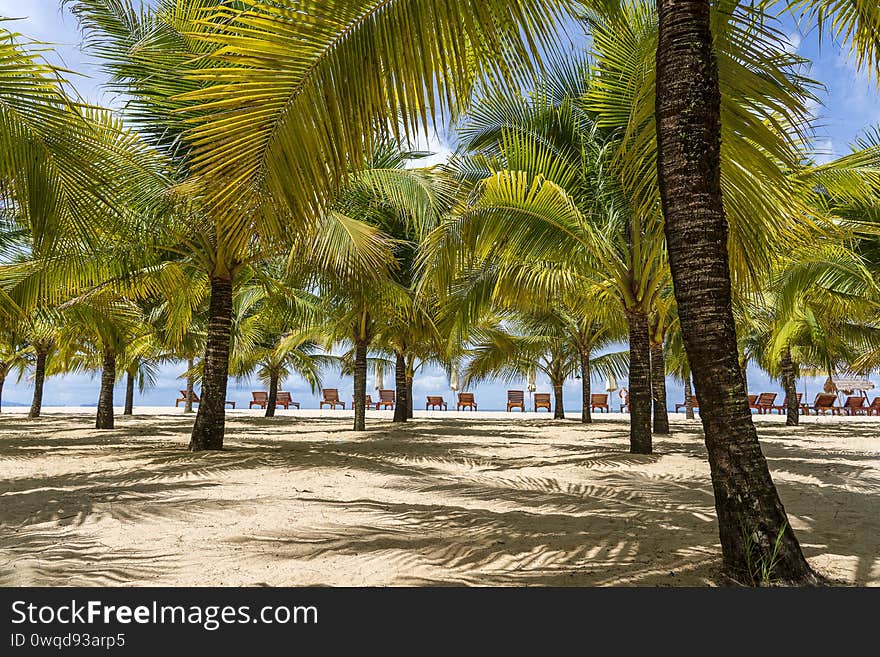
(850, 104)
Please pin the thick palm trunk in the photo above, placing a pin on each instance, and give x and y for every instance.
(272, 402)
(211, 418)
(190, 386)
(754, 529)
(639, 384)
(789, 383)
(360, 385)
(658, 389)
(559, 406)
(688, 398)
(586, 389)
(104, 419)
(129, 393)
(39, 380)
(401, 405)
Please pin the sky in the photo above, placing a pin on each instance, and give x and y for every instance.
(849, 104)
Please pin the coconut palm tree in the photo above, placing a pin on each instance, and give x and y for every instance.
(683, 146)
(275, 326)
(545, 186)
(14, 356)
(41, 334)
(94, 335)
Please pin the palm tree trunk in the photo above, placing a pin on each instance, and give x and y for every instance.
(2, 381)
(210, 421)
(39, 379)
(129, 393)
(559, 406)
(401, 405)
(409, 392)
(586, 389)
(104, 419)
(658, 389)
(753, 525)
(360, 385)
(190, 386)
(789, 383)
(688, 398)
(639, 384)
(272, 402)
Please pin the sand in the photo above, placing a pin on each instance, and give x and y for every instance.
(448, 499)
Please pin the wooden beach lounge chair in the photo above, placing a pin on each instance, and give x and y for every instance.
(196, 400)
(753, 402)
(516, 399)
(284, 399)
(874, 408)
(368, 402)
(542, 400)
(824, 402)
(694, 404)
(466, 400)
(182, 398)
(260, 399)
(331, 399)
(436, 403)
(386, 399)
(599, 402)
(764, 404)
(855, 405)
(802, 408)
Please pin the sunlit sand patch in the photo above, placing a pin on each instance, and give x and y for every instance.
(445, 500)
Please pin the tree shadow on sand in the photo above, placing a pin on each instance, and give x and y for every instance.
(574, 510)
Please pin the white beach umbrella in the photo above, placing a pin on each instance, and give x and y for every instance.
(453, 380)
(611, 383)
(533, 383)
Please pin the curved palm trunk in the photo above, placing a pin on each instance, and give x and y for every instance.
(104, 419)
(211, 419)
(753, 525)
(401, 406)
(272, 403)
(409, 395)
(789, 384)
(688, 398)
(586, 388)
(360, 385)
(190, 386)
(2, 381)
(639, 384)
(559, 406)
(39, 380)
(658, 389)
(129, 393)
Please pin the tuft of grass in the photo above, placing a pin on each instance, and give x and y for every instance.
(761, 566)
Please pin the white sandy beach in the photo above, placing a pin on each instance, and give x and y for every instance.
(448, 499)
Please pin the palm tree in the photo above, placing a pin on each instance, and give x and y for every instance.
(42, 337)
(546, 191)
(94, 335)
(139, 362)
(178, 73)
(13, 356)
(689, 129)
(274, 330)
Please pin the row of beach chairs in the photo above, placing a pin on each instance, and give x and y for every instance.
(763, 403)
